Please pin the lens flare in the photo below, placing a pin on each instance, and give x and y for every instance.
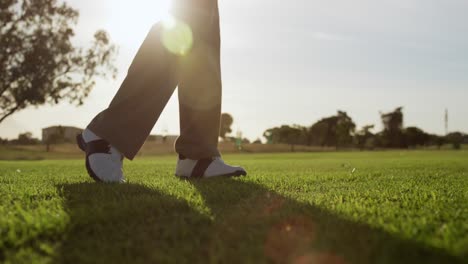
(177, 36)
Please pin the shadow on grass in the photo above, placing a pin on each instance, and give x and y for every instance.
(248, 224)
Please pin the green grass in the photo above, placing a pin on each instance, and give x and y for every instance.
(370, 207)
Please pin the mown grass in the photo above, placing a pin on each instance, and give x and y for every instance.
(369, 207)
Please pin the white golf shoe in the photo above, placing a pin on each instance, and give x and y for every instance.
(103, 162)
(206, 168)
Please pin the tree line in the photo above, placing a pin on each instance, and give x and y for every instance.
(340, 131)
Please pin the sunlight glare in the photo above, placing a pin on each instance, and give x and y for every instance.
(177, 37)
(168, 21)
(129, 21)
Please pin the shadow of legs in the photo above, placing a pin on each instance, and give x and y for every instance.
(283, 230)
(248, 223)
(130, 224)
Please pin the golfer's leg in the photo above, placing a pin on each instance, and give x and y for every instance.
(200, 87)
(150, 82)
(200, 97)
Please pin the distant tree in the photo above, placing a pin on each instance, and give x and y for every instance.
(3, 141)
(440, 141)
(345, 129)
(38, 62)
(330, 136)
(365, 138)
(436, 140)
(268, 135)
(456, 139)
(416, 137)
(333, 131)
(317, 133)
(272, 135)
(380, 140)
(26, 139)
(291, 135)
(257, 141)
(226, 123)
(312, 135)
(392, 135)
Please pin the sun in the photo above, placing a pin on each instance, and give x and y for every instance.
(132, 19)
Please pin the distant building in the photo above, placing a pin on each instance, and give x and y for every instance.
(66, 133)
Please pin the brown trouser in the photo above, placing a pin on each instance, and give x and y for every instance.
(152, 79)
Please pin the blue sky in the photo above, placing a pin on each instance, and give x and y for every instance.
(293, 62)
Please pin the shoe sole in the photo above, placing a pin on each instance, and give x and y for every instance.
(235, 174)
